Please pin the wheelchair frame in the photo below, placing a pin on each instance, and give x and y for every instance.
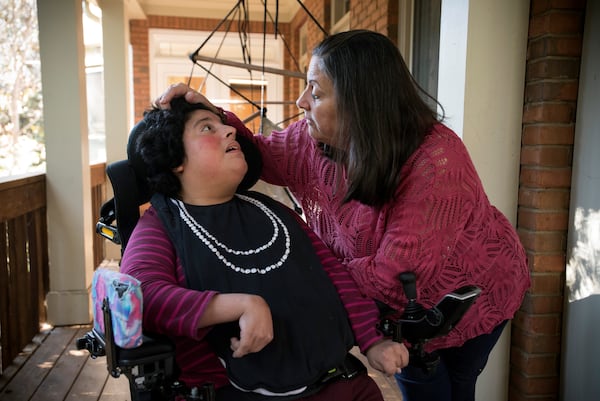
(147, 367)
(150, 368)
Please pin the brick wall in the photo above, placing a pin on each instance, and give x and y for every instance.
(138, 32)
(320, 10)
(378, 15)
(553, 60)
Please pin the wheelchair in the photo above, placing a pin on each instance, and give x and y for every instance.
(151, 368)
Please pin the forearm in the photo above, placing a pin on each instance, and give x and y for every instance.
(224, 308)
(169, 307)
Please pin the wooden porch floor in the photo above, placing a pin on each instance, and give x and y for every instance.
(52, 369)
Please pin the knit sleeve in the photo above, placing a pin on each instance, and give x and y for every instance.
(169, 307)
(362, 311)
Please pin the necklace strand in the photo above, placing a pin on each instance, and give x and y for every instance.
(213, 244)
(219, 244)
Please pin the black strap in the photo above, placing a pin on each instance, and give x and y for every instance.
(348, 370)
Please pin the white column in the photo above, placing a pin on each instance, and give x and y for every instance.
(68, 172)
(117, 88)
(117, 76)
(494, 92)
(453, 61)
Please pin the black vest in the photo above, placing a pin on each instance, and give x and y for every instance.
(312, 333)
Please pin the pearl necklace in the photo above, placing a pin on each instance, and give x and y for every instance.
(213, 244)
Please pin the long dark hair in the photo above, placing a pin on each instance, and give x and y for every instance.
(381, 115)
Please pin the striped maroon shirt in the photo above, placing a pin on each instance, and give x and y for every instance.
(174, 310)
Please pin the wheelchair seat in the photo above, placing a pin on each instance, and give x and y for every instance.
(149, 368)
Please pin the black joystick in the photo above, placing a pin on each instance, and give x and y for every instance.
(417, 325)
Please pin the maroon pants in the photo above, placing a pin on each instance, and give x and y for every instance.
(360, 388)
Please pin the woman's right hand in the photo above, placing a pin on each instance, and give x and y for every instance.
(252, 314)
(181, 89)
(256, 327)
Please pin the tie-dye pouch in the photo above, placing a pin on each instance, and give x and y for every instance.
(124, 295)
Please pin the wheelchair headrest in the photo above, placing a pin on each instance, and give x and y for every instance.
(251, 154)
(137, 163)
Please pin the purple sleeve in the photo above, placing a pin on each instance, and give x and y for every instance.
(169, 307)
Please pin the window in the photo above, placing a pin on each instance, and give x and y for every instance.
(94, 73)
(243, 109)
(340, 15)
(169, 59)
(426, 44)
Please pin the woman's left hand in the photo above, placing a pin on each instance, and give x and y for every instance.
(181, 89)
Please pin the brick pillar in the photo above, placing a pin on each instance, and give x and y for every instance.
(138, 32)
(377, 15)
(552, 79)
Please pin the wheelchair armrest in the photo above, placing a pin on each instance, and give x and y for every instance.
(93, 342)
(153, 347)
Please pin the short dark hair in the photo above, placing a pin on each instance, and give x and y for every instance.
(159, 144)
(382, 118)
(156, 148)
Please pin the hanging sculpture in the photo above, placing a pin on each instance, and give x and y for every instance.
(240, 12)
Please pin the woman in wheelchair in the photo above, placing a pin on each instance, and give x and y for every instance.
(254, 302)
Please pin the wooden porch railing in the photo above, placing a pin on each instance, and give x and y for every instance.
(98, 184)
(24, 274)
(23, 262)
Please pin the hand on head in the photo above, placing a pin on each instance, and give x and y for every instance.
(181, 89)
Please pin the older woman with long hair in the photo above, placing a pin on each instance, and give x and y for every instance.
(390, 189)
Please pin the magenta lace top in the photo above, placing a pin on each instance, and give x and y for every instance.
(441, 226)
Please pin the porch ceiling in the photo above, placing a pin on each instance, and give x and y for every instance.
(211, 8)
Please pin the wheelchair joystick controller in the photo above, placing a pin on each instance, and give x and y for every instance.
(414, 311)
(417, 325)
